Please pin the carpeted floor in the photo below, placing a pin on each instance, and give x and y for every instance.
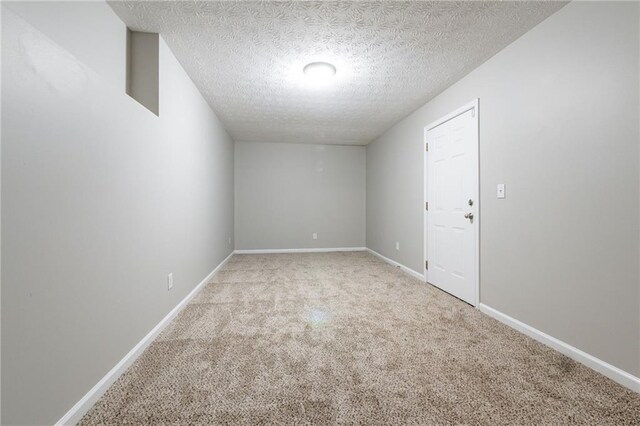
(344, 338)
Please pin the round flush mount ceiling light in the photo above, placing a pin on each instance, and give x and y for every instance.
(319, 71)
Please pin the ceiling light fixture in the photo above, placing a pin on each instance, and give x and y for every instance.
(319, 72)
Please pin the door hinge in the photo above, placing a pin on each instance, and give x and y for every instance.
(426, 205)
(426, 265)
(426, 147)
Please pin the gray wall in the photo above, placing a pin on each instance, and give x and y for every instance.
(143, 76)
(87, 29)
(559, 124)
(101, 200)
(286, 192)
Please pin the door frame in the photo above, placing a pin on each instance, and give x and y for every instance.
(473, 105)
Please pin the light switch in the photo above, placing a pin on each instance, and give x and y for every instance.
(501, 190)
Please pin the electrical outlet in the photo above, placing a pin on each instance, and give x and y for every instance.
(170, 281)
(397, 245)
(315, 235)
(501, 190)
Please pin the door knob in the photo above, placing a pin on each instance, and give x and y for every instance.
(469, 216)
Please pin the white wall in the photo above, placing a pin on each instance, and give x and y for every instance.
(559, 124)
(101, 200)
(286, 192)
(87, 29)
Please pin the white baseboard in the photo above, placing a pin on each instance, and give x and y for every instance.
(409, 271)
(90, 398)
(301, 250)
(76, 412)
(614, 373)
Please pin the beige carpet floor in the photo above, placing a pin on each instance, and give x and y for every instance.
(343, 338)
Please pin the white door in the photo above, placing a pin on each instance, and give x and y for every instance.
(451, 214)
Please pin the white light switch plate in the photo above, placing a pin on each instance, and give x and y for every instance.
(170, 281)
(397, 245)
(501, 190)
(315, 235)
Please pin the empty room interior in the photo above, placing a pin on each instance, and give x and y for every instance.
(320, 212)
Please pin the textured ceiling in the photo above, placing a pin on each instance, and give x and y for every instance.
(247, 58)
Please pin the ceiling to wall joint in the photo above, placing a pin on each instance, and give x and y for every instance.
(391, 57)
